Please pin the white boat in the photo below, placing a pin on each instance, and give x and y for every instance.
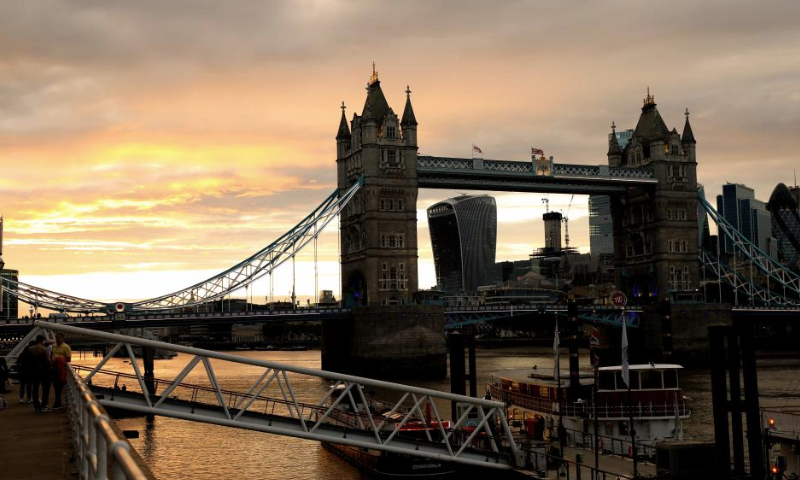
(655, 404)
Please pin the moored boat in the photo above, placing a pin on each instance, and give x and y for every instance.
(383, 464)
(655, 404)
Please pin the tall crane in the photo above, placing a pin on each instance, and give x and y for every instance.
(566, 223)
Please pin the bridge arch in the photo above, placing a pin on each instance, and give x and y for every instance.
(355, 289)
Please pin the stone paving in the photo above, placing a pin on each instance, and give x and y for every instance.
(34, 445)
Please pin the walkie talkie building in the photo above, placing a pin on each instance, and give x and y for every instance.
(464, 239)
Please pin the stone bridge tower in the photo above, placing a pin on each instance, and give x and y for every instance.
(378, 228)
(656, 230)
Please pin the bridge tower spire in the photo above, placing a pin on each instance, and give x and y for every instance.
(614, 150)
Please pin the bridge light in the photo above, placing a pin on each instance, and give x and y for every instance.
(771, 423)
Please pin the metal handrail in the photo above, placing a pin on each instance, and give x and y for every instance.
(100, 453)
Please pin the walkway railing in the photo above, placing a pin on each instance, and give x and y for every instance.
(604, 411)
(100, 453)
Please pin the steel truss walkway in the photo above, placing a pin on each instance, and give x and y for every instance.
(409, 423)
(506, 175)
(458, 317)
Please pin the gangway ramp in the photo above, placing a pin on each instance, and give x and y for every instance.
(344, 414)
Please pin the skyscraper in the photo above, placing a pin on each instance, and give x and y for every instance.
(601, 225)
(552, 231)
(785, 226)
(464, 239)
(749, 216)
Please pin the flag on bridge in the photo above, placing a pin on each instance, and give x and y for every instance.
(536, 151)
(626, 376)
(476, 150)
(594, 340)
(557, 358)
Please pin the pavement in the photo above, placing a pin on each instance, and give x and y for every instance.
(34, 445)
(614, 464)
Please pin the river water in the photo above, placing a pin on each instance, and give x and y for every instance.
(179, 449)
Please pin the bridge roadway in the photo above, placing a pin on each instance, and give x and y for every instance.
(456, 316)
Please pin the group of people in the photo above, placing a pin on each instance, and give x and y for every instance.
(40, 365)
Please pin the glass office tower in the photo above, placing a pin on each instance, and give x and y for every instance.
(464, 239)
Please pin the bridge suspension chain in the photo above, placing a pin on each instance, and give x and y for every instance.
(40, 297)
(239, 276)
(777, 274)
(260, 263)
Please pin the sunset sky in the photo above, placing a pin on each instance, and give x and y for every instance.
(146, 145)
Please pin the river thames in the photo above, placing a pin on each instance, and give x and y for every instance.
(185, 450)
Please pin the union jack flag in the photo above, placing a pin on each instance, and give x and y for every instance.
(537, 151)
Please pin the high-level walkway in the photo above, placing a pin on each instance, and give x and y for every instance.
(34, 445)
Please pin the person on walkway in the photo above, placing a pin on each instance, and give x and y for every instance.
(61, 355)
(3, 376)
(40, 372)
(25, 378)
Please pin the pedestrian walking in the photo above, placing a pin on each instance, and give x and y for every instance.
(25, 378)
(40, 372)
(4, 374)
(61, 355)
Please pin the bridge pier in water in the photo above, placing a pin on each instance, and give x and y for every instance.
(387, 342)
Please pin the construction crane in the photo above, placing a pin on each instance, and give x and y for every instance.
(566, 223)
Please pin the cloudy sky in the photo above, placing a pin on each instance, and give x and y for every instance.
(145, 145)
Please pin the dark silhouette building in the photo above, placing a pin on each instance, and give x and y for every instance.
(785, 225)
(464, 238)
(9, 305)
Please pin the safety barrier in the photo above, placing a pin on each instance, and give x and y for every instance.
(100, 453)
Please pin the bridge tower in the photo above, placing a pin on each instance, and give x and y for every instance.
(656, 230)
(387, 336)
(378, 229)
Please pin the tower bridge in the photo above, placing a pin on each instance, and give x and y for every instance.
(658, 216)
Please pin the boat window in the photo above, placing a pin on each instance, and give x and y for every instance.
(651, 379)
(670, 379)
(606, 381)
(634, 378)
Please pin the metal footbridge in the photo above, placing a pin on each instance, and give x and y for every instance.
(406, 421)
(514, 176)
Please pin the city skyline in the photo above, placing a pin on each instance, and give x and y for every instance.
(146, 147)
